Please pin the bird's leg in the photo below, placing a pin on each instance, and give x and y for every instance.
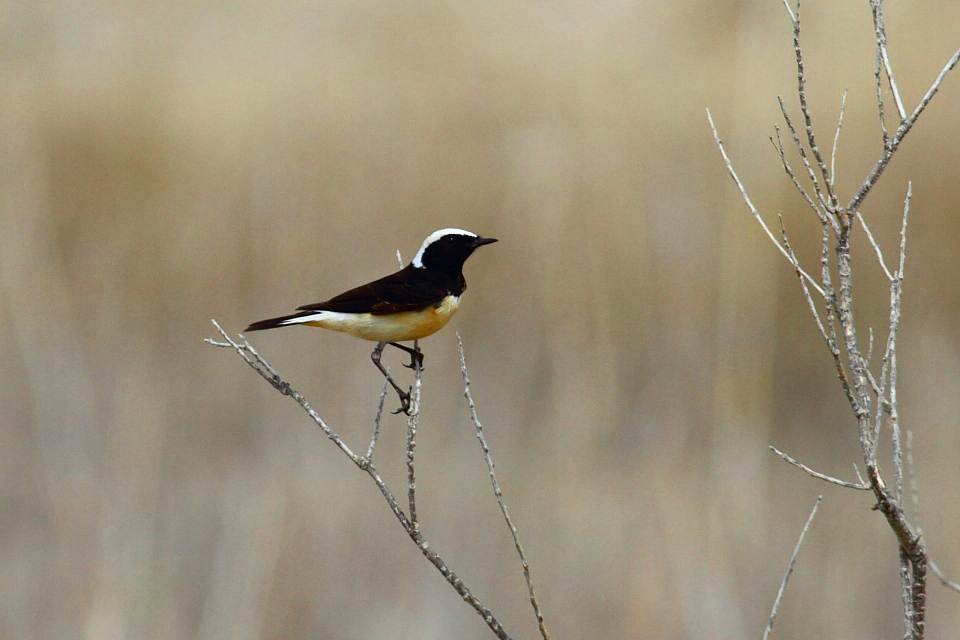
(416, 356)
(403, 395)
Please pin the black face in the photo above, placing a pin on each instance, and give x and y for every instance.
(451, 251)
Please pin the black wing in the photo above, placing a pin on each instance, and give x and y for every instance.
(409, 289)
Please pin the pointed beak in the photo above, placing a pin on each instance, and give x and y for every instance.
(479, 242)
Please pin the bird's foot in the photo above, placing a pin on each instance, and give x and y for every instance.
(404, 402)
(416, 360)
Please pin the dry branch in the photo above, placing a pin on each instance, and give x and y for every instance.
(365, 463)
(861, 486)
(786, 576)
(499, 495)
(857, 380)
(746, 198)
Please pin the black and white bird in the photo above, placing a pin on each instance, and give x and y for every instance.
(412, 303)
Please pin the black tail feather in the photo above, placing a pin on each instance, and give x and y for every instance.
(273, 323)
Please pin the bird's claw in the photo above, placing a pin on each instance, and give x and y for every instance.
(416, 360)
(404, 402)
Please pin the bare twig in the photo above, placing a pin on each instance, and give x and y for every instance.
(793, 17)
(376, 422)
(830, 338)
(830, 297)
(877, 6)
(834, 204)
(822, 476)
(258, 364)
(498, 493)
(856, 471)
(878, 83)
(861, 385)
(898, 137)
(786, 576)
(903, 231)
(836, 138)
(887, 399)
(914, 494)
(803, 284)
(806, 162)
(412, 422)
(896, 298)
(753, 210)
(876, 248)
(950, 584)
(793, 178)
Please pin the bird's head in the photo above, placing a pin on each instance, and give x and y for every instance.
(447, 249)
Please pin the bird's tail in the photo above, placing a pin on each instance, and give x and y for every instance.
(283, 321)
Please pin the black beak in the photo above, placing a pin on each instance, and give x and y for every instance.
(479, 242)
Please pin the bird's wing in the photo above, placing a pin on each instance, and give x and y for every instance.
(405, 290)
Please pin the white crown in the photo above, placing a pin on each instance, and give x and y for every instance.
(433, 237)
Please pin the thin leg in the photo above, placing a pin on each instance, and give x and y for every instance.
(416, 356)
(403, 395)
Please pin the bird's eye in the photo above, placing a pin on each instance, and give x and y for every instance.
(451, 240)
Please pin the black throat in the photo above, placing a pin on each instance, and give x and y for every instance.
(449, 279)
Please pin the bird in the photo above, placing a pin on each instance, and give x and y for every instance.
(410, 304)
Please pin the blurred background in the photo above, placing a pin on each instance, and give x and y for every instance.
(634, 341)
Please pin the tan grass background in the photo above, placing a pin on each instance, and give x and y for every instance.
(635, 343)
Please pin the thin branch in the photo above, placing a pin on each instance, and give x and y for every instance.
(753, 210)
(258, 364)
(803, 284)
(786, 576)
(928, 96)
(822, 476)
(830, 297)
(836, 138)
(888, 373)
(878, 83)
(877, 391)
(376, 421)
(793, 17)
(881, 31)
(876, 248)
(803, 156)
(807, 119)
(829, 339)
(903, 230)
(498, 493)
(897, 445)
(896, 301)
(898, 137)
(793, 177)
(950, 584)
(856, 470)
(412, 422)
(914, 494)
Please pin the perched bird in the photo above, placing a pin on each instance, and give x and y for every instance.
(410, 304)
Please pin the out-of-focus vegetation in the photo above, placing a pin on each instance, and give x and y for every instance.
(635, 342)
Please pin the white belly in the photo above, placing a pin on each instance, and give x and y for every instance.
(394, 327)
